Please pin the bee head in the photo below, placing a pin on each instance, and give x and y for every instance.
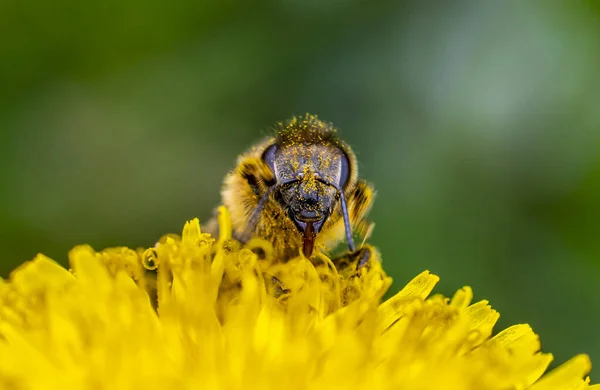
(310, 177)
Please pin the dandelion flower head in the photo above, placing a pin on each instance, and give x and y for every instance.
(228, 316)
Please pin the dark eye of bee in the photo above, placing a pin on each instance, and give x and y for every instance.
(269, 157)
(344, 171)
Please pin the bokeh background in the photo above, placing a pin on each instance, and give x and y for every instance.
(478, 122)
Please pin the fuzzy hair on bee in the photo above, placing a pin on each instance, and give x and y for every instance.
(299, 189)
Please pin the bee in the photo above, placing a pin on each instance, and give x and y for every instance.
(299, 190)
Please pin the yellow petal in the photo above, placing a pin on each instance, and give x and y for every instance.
(227, 320)
(568, 376)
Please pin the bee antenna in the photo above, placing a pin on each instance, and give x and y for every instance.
(253, 220)
(346, 220)
(344, 213)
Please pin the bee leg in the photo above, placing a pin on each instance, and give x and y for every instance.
(360, 201)
(363, 258)
(354, 260)
(276, 287)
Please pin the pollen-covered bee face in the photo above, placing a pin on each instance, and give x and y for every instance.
(307, 202)
(311, 177)
(299, 183)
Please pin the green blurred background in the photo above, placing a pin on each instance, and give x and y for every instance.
(478, 122)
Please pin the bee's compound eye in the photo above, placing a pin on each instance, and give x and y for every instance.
(344, 170)
(269, 156)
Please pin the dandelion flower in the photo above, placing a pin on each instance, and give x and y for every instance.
(225, 319)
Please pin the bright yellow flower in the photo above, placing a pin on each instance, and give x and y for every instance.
(226, 320)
